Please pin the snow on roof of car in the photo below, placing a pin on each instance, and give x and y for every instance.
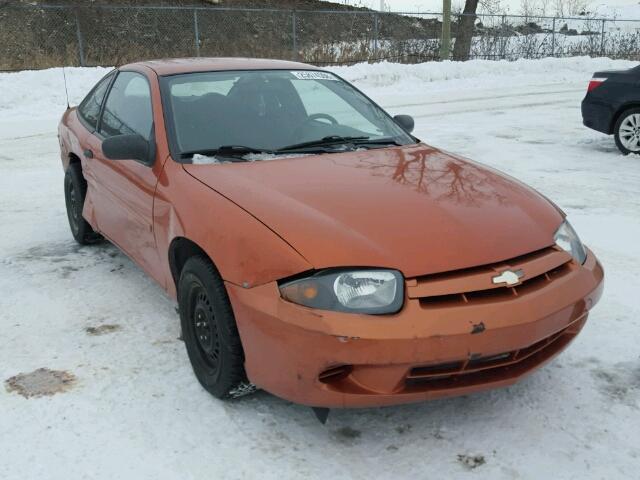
(172, 66)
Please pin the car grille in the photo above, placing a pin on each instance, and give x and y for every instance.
(475, 285)
(479, 370)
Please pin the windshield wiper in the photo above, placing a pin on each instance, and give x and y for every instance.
(225, 150)
(238, 151)
(378, 141)
(326, 141)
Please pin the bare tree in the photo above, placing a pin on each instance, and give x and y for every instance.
(492, 6)
(571, 8)
(464, 34)
(466, 25)
(534, 8)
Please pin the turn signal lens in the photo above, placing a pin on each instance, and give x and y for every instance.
(301, 292)
(310, 292)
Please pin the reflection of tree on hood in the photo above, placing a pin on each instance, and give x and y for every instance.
(442, 176)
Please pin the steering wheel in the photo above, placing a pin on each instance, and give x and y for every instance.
(322, 116)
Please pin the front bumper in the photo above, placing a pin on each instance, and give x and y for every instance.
(332, 359)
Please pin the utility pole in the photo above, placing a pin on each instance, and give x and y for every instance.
(445, 44)
(382, 7)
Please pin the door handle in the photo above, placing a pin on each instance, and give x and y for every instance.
(88, 153)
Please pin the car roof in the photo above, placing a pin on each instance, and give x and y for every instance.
(172, 66)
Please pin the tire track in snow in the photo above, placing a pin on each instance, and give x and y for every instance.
(496, 108)
(478, 104)
(484, 98)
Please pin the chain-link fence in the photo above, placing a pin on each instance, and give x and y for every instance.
(40, 36)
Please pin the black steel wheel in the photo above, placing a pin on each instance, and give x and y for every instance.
(209, 329)
(205, 328)
(75, 190)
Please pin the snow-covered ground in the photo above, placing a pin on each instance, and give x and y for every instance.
(135, 411)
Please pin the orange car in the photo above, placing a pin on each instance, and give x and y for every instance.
(315, 247)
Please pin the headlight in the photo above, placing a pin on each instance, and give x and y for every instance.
(567, 239)
(357, 291)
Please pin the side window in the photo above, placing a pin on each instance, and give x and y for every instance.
(89, 109)
(128, 107)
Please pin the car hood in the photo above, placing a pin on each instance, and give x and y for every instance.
(414, 208)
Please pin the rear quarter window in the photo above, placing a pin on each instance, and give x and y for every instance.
(89, 109)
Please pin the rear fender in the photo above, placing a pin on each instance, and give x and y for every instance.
(629, 104)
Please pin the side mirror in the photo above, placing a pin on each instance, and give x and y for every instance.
(128, 147)
(406, 122)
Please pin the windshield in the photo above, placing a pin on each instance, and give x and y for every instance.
(270, 111)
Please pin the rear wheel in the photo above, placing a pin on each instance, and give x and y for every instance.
(75, 191)
(209, 330)
(627, 132)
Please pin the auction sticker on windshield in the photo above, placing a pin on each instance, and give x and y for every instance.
(309, 75)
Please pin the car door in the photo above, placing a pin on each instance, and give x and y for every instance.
(124, 189)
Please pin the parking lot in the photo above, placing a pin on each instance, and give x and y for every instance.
(134, 405)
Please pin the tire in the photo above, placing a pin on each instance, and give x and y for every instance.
(75, 191)
(627, 132)
(209, 330)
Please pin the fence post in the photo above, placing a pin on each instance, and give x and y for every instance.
(79, 38)
(602, 38)
(445, 39)
(503, 28)
(553, 38)
(375, 36)
(294, 35)
(196, 31)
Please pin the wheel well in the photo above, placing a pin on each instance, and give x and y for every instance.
(180, 250)
(74, 160)
(619, 113)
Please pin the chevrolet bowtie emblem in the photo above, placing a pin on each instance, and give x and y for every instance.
(509, 277)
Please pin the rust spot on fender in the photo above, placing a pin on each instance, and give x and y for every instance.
(344, 339)
(478, 328)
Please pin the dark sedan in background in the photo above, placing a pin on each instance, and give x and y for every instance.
(612, 106)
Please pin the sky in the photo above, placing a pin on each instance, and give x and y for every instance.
(513, 6)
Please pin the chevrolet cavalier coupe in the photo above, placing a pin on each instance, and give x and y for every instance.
(316, 249)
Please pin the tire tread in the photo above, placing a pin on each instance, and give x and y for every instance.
(233, 374)
(86, 235)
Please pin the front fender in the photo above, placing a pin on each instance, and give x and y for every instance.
(67, 138)
(245, 251)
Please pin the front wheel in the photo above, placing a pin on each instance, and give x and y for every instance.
(627, 132)
(75, 190)
(209, 330)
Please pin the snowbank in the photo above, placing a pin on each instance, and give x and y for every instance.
(32, 92)
(29, 93)
(385, 74)
(251, 157)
